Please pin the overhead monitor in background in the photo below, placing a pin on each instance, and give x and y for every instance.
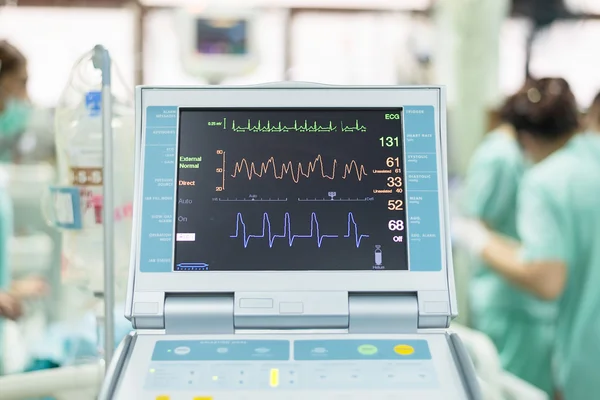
(217, 43)
(221, 36)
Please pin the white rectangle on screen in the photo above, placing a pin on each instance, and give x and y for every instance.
(185, 237)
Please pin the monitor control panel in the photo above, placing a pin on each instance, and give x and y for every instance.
(302, 367)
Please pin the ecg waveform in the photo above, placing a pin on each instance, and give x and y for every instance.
(315, 231)
(251, 170)
(298, 126)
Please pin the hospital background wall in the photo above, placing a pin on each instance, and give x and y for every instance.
(474, 47)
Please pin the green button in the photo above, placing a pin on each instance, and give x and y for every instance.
(367, 349)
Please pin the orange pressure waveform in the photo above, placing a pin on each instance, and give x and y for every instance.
(296, 172)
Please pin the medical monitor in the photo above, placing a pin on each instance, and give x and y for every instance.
(291, 187)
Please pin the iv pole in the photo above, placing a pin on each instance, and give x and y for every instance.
(101, 60)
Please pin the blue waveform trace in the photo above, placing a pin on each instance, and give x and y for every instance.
(315, 231)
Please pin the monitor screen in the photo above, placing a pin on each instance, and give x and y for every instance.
(216, 36)
(290, 190)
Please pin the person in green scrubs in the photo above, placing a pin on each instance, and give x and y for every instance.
(12, 121)
(15, 110)
(520, 325)
(10, 305)
(558, 220)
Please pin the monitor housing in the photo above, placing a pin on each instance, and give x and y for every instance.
(419, 113)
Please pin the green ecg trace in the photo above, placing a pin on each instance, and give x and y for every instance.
(305, 126)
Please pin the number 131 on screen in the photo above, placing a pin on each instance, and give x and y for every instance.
(389, 141)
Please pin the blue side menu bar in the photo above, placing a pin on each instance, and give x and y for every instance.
(160, 173)
(422, 189)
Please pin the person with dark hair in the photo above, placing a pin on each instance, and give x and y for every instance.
(592, 119)
(520, 326)
(558, 220)
(15, 108)
(15, 111)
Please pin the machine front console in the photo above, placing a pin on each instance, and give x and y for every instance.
(249, 367)
(292, 245)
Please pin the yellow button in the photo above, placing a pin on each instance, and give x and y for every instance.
(404, 349)
(203, 398)
(274, 378)
(163, 397)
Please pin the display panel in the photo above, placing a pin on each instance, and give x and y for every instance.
(283, 189)
(221, 36)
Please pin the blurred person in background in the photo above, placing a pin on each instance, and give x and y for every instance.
(25, 131)
(520, 325)
(15, 108)
(558, 220)
(15, 111)
(592, 119)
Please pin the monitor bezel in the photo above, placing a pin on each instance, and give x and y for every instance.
(292, 96)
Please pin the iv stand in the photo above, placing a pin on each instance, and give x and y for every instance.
(101, 60)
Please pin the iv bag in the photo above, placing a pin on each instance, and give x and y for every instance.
(76, 202)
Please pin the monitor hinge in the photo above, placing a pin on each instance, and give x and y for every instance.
(320, 310)
(199, 314)
(224, 313)
(383, 313)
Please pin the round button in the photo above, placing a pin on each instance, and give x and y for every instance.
(367, 349)
(262, 350)
(319, 350)
(404, 349)
(182, 350)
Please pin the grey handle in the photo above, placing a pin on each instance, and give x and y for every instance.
(114, 369)
(466, 367)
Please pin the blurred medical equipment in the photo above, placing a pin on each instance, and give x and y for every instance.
(217, 43)
(76, 203)
(87, 205)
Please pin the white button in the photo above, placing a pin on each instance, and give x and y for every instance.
(262, 350)
(182, 351)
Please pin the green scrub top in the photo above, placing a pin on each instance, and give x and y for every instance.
(520, 325)
(6, 230)
(559, 220)
(491, 188)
